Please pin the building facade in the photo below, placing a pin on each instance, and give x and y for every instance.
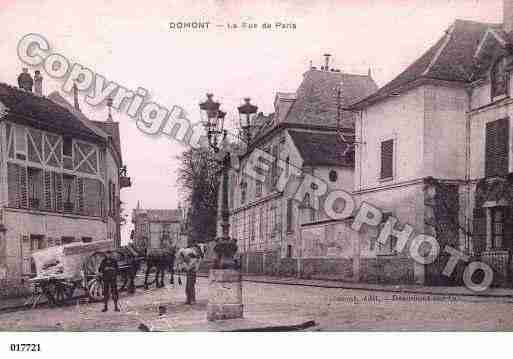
(302, 137)
(60, 176)
(159, 228)
(436, 153)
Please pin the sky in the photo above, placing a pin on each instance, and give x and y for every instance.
(131, 43)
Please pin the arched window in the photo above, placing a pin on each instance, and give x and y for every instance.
(499, 78)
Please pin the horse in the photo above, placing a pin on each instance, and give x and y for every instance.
(162, 259)
(190, 257)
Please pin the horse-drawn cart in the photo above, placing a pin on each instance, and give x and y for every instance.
(60, 270)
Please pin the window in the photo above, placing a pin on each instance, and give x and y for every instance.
(252, 227)
(35, 187)
(258, 188)
(499, 78)
(21, 142)
(497, 148)
(274, 166)
(68, 192)
(333, 175)
(289, 251)
(498, 216)
(243, 192)
(233, 183)
(67, 146)
(261, 224)
(387, 159)
(290, 216)
(273, 224)
(87, 239)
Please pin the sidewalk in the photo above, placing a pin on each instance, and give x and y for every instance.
(453, 291)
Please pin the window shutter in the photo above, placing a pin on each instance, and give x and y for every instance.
(48, 190)
(110, 199)
(387, 159)
(497, 148)
(289, 215)
(80, 195)
(101, 204)
(13, 184)
(23, 186)
(57, 190)
(274, 172)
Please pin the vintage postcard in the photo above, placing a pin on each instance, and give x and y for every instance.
(261, 166)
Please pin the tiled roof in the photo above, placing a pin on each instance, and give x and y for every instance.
(316, 97)
(41, 112)
(321, 149)
(451, 58)
(164, 215)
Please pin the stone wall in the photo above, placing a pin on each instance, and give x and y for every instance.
(387, 270)
(383, 269)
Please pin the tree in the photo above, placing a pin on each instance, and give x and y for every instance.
(198, 176)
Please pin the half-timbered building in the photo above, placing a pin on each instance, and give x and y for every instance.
(60, 176)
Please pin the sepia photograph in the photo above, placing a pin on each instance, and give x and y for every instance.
(254, 166)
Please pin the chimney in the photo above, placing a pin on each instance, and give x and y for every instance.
(38, 83)
(25, 81)
(507, 15)
(369, 73)
(327, 61)
(75, 97)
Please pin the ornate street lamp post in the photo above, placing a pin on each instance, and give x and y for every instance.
(225, 274)
(246, 114)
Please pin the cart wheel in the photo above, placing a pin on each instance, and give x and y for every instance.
(95, 290)
(55, 292)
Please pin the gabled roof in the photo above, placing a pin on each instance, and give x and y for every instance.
(316, 97)
(319, 149)
(451, 58)
(315, 102)
(41, 112)
(60, 100)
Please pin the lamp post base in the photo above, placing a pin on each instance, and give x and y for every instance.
(224, 295)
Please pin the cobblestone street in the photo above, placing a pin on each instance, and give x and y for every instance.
(331, 308)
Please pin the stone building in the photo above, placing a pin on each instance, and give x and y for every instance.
(158, 228)
(60, 175)
(436, 153)
(302, 136)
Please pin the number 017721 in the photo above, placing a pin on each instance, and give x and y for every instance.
(25, 347)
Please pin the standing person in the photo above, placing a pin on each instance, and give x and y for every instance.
(191, 260)
(190, 286)
(109, 271)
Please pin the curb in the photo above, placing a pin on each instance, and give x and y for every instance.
(274, 328)
(280, 328)
(371, 289)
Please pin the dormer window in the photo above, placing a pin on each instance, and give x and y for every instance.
(499, 79)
